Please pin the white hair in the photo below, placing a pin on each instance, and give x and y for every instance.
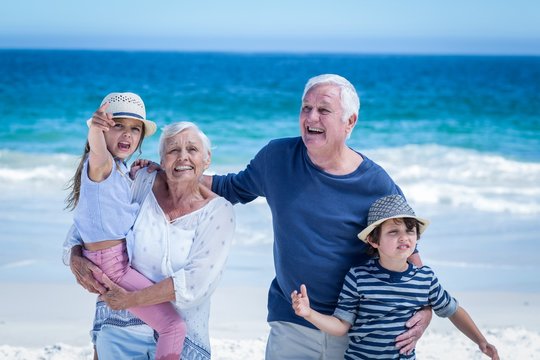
(176, 128)
(350, 102)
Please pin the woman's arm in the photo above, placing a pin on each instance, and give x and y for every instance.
(195, 282)
(117, 298)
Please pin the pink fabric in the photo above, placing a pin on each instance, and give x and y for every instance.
(161, 317)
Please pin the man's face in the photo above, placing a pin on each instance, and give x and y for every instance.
(321, 124)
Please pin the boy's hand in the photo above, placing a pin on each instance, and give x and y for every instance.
(489, 350)
(300, 302)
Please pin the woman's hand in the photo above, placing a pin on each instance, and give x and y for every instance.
(85, 271)
(117, 298)
(417, 324)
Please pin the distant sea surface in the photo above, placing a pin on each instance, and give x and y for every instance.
(459, 134)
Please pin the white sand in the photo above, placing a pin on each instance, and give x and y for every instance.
(51, 321)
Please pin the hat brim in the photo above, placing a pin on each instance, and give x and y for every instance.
(364, 233)
(150, 127)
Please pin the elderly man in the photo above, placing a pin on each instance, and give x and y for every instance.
(319, 191)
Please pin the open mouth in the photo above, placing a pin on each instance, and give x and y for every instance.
(124, 146)
(314, 130)
(183, 168)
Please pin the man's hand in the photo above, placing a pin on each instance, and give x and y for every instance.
(417, 324)
(117, 298)
(84, 271)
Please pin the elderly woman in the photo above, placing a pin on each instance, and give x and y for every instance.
(182, 237)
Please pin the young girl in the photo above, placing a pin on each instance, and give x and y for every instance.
(104, 213)
(379, 297)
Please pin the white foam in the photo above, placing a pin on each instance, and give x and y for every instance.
(428, 174)
(433, 174)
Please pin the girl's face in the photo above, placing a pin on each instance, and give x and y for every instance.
(396, 242)
(124, 137)
(184, 157)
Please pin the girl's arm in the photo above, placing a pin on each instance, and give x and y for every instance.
(327, 323)
(466, 325)
(99, 158)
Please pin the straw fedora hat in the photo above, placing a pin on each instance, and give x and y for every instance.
(389, 207)
(128, 105)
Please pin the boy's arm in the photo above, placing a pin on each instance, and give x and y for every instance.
(466, 325)
(327, 323)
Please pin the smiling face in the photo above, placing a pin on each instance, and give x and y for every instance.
(184, 157)
(321, 125)
(396, 242)
(124, 137)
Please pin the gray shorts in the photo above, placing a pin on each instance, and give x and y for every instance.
(288, 341)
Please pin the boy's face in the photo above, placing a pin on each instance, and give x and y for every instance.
(396, 241)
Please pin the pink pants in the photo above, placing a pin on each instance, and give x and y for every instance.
(161, 317)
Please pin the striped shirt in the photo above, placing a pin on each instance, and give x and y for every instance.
(377, 302)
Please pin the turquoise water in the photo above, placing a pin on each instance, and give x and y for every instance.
(461, 135)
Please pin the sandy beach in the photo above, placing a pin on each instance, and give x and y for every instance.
(51, 321)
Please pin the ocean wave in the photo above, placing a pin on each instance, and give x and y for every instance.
(439, 175)
(428, 174)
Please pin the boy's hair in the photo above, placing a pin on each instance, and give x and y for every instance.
(375, 235)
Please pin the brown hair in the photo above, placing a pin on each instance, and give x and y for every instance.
(375, 235)
(75, 182)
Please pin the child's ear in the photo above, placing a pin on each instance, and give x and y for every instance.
(371, 242)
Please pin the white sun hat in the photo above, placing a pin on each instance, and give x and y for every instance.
(128, 105)
(389, 207)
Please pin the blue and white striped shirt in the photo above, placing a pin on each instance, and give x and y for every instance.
(377, 302)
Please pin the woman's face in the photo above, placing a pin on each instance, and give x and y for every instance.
(184, 158)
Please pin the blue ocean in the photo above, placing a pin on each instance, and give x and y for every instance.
(459, 134)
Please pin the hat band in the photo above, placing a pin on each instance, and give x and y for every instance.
(128, 114)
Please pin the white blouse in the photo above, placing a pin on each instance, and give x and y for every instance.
(191, 249)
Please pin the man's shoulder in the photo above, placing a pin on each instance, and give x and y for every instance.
(284, 142)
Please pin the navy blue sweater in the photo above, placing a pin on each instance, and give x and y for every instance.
(316, 218)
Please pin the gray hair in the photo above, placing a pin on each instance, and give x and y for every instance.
(350, 102)
(176, 128)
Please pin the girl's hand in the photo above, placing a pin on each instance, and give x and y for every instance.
(300, 302)
(116, 297)
(101, 119)
(140, 163)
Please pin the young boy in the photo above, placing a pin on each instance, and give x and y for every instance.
(379, 297)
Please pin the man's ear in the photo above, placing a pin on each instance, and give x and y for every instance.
(351, 122)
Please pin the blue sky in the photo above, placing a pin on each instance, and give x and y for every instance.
(358, 26)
